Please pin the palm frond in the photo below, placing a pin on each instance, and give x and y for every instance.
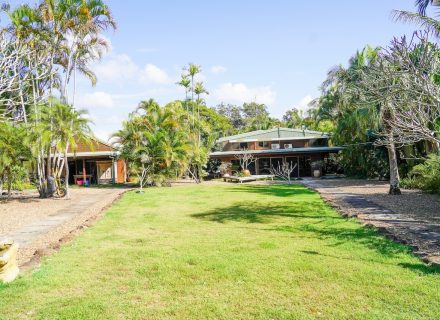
(422, 5)
(429, 24)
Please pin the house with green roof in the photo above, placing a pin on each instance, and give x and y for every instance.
(272, 147)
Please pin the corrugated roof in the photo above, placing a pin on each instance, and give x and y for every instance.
(276, 151)
(270, 134)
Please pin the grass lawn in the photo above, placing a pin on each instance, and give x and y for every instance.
(226, 252)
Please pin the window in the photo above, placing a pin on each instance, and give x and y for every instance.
(243, 145)
(275, 146)
(264, 144)
(235, 146)
(320, 143)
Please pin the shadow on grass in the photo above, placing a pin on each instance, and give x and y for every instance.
(278, 190)
(365, 236)
(254, 213)
(305, 221)
(420, 267)
(417, 267)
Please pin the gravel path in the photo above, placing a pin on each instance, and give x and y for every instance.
(412, 218)
(39, 225)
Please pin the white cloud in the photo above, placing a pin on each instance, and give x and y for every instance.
(218, 69)
(153, 74)
(303, 104)
(112, 120)
(116, 68)
(121, 69)
(239, 93)
(103, 135)
(98, 99)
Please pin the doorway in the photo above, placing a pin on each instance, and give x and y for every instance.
(104, 172)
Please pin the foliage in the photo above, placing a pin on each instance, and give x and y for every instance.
(420, 18)
(234, 114)
(352, 119)
(155, 142)
(248, 117)
(317, 165)
(19, 178)
(13, 152)
(225, 168)
(425, 176)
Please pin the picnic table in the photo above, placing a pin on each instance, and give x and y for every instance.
(248, 179)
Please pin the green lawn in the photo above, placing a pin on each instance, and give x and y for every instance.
(226, 252)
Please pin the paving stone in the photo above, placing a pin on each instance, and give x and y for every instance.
(35, 229)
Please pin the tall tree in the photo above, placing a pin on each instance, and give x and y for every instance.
(233, 113)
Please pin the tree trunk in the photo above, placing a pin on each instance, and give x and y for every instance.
(394, 169)
(49, 162)
(74, 84)
(9, 184)
(66, 175)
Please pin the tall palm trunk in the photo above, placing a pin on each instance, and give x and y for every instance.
(192, 98)
(74, 83)
(66, 174)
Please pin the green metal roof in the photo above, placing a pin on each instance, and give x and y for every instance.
(277, 151)
(282, 133)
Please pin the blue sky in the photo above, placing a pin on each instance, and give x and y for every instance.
(275, 52)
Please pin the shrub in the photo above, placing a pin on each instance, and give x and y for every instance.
(317, 165)
(18, 178)
(425, 176)
(225, 168)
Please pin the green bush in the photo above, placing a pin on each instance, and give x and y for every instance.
(20, 179)
(425, 176)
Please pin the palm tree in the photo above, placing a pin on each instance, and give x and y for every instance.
(193, 70)
(64, 128)
(185, 82)
(420, 18)
(422, 5)
(155, 142)
(89, 19)
(199, 89)
(77, 58)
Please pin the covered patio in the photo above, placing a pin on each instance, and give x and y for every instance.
(97, 164)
